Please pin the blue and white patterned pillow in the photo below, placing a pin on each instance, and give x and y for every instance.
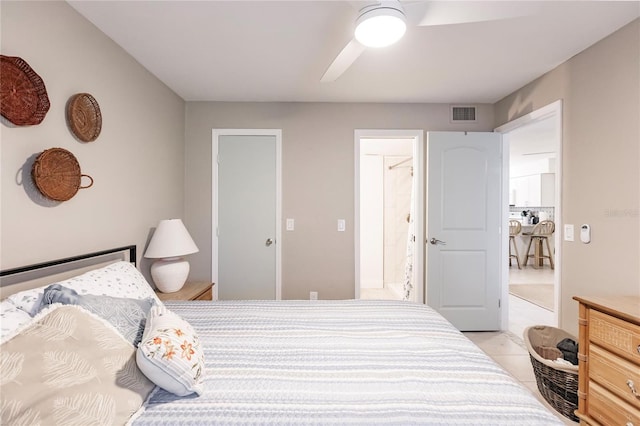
(119, 279)
(128, 316)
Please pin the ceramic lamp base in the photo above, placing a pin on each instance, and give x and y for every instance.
(169, 275)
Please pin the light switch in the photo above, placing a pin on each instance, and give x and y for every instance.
(568, 232)
(290, 224)
(341, 225)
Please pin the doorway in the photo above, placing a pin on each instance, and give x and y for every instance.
(246, 212)
(533, 187)
(388, 186)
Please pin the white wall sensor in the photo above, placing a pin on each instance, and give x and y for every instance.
(585, 233)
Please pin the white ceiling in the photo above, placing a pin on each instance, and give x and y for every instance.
(532, 143)
(278, 51)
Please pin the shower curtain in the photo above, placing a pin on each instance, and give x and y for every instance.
(408, 266)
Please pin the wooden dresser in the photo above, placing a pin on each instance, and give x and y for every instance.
(609, 359)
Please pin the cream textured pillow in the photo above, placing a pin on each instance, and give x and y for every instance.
(69, 367)
(170, 354)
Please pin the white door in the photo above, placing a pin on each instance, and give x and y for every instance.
(464, 213)
(246, 209)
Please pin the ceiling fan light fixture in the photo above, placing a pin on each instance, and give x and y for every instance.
(381, 26)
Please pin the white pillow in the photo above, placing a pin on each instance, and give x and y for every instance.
(120, 279)
(27, 301)
(170, 354)
(11, 319)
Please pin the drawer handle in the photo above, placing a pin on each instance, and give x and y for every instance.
(633, 388)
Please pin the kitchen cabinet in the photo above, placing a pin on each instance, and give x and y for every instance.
(537, 190)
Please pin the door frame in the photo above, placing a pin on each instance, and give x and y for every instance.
(419, 170)
(216, 133)
(550, 111)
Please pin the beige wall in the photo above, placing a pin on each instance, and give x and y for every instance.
(146, 169)
(317, 175)
(137, 161)
(600, 89)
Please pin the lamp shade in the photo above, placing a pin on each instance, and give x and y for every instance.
(381, 25)
(171, 239)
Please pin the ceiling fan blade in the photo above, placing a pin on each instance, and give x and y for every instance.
(461, 12)
(345, 58)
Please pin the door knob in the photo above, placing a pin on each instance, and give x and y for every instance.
(268, 242)
(435, 241)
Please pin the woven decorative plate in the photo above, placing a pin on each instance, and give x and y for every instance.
(56, 173)
(84, 117)
(23, 97)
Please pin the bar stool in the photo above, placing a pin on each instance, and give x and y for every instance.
(514, 229)
(540, 233)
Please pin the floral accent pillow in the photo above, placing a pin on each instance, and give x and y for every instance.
(170, 354)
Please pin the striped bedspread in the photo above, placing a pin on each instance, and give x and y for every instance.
(341, 363)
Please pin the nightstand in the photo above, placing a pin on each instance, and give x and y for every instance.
(190, 291)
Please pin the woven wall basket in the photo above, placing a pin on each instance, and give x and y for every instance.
(56, 173)
(23, 96)
(84, 117)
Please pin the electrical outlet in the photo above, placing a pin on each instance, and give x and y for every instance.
(313, 295)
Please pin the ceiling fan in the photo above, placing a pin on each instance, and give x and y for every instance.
(379, 19)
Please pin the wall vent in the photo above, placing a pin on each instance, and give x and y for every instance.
(463, 114)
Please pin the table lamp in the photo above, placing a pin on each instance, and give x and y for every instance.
(169, 243)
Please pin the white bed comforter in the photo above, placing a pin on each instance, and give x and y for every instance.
(340, 362)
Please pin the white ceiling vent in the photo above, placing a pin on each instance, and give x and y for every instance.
(463, 114)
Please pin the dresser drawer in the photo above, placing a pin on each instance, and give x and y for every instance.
(614, 373)
(608, 409)
(618, 336)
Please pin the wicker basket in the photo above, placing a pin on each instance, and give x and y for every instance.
(23, 96)
(84, 117)
(56, 174)
(557, 383)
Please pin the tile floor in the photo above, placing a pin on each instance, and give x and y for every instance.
(508, 348)
(521, 313)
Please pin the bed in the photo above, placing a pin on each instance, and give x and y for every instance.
(262, 362)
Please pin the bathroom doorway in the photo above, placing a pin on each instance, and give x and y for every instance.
(386, 216)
